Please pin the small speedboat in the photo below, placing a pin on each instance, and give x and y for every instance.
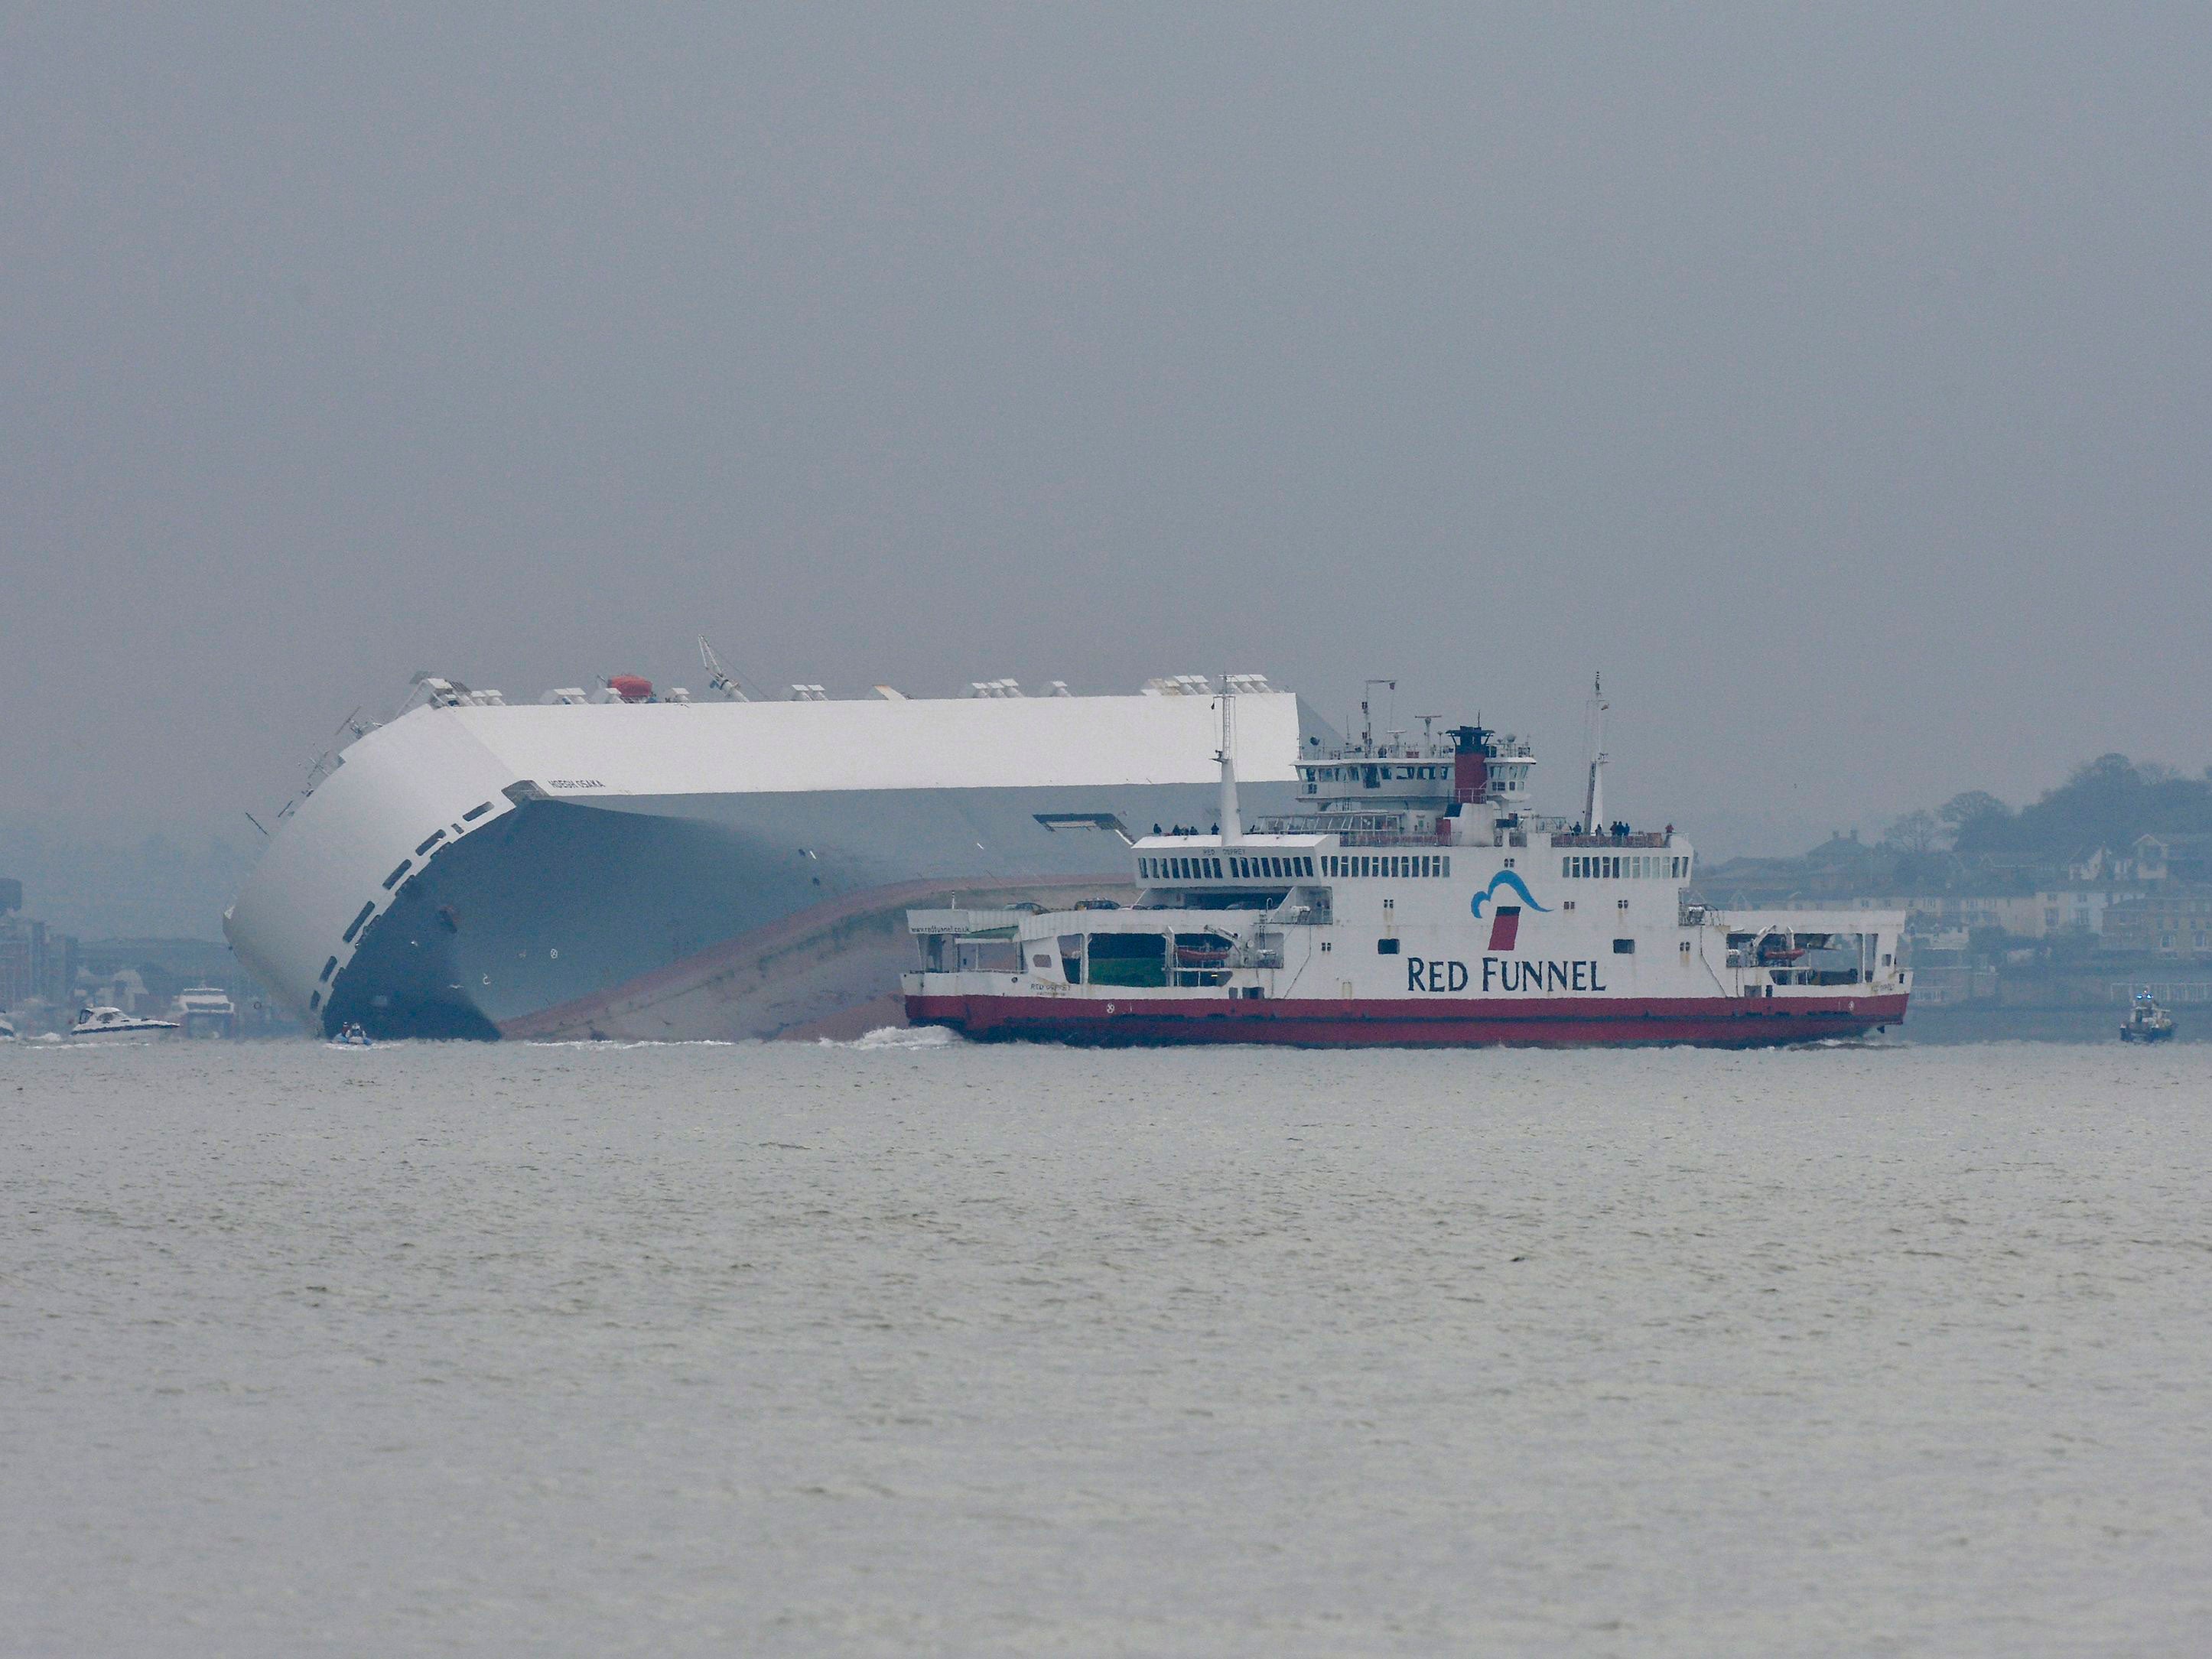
(7, 1028)
(114, 1023)
(2147, 1021)
(350, 1036)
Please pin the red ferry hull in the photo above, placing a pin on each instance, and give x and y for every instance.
(1558, 1023)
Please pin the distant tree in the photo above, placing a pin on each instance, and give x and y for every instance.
(1975, 819)
(1915, 833)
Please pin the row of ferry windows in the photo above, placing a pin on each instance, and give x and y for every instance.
(1626, 867)
(1370, 775)
(1403, 866)
(1284, 868)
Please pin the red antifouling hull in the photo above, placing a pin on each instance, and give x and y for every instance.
(1556, 1022)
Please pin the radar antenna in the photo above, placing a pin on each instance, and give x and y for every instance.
(717, 677)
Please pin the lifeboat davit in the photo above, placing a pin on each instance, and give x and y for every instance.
(630, 688)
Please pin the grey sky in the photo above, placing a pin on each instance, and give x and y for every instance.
(1837, 382)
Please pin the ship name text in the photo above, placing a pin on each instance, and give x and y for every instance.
(1443, 975)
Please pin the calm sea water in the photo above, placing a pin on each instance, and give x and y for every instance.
(895, 1348)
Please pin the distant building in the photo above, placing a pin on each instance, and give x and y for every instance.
(2175, 923)
(37, 965)
(2184, 858)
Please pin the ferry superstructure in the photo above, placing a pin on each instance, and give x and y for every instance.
(616, 862)
(1412, 900)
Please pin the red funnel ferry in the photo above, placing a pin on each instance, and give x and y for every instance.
(1415, 900)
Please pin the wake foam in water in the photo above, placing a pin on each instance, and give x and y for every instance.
(900, 1036)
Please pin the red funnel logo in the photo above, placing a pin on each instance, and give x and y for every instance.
(1505, 926)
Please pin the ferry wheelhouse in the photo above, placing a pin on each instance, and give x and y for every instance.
(1412, 898)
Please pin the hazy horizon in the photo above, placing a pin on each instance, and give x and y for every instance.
(1833, 383)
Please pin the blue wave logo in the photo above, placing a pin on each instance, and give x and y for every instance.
(1507, 878)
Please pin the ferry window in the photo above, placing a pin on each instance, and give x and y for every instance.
(1563, 870)
(1624, 947)
(1386, 947)
(1307, 864)
(1446, 866)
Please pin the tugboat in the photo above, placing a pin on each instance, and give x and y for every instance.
(2147, 1021)
(114, 1023)
(1415, 899)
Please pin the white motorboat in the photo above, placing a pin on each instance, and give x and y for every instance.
(8, 1032)
(114, 1023)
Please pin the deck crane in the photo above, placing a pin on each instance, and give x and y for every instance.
(717, 677)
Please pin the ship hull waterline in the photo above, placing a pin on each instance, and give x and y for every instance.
(1321, 1024)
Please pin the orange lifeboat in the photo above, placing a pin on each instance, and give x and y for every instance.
(630, 688)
